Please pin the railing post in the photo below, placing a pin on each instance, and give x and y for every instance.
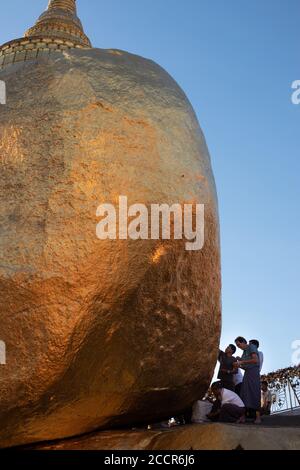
(296, 396)
(290, 395)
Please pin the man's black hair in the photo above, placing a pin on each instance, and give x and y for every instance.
(216, 385)
(240, 339)
(255, 342)
(264, 382)
(233, 348)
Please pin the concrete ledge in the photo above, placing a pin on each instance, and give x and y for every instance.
(194, 437)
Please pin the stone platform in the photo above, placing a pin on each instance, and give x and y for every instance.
(276, 433)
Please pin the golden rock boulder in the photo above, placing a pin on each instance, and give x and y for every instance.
(99, 333)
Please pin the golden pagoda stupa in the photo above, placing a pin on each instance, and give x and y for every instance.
(57, 29)
(99, 333)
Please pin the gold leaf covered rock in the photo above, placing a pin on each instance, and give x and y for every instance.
(99, 333)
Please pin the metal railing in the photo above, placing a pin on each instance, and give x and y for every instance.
(285, 389)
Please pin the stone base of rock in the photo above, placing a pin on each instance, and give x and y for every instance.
(194, 437)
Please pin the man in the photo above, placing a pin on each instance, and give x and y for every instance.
(231, 406)
(266, 399)
(251, 388)
(260, 353)
(227, 370)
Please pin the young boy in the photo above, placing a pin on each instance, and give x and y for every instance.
(266, 399)
(227, 370)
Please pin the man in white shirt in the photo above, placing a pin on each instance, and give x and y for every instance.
(232, 407)
(238, 381)
(260, 353)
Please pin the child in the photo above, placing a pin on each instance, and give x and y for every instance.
(266, 399)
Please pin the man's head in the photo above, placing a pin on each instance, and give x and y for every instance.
(216, 388)
(264, 385)
(241, 342)
(230, 350)
(255, 342)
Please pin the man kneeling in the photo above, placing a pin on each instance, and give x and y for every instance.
(231, 408)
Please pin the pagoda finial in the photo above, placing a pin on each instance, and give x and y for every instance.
(69, 5)
(60, 21)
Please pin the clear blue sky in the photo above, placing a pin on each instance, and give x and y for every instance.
(236, 60)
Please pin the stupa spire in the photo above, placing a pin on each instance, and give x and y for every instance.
(60, 21)
(69, 5)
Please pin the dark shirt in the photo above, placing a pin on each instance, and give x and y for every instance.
(226, 362)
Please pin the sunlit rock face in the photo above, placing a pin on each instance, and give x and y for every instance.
(100, 333)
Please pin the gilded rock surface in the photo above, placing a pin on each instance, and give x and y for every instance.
(100, 333)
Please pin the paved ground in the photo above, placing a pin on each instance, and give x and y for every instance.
(287, 419)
